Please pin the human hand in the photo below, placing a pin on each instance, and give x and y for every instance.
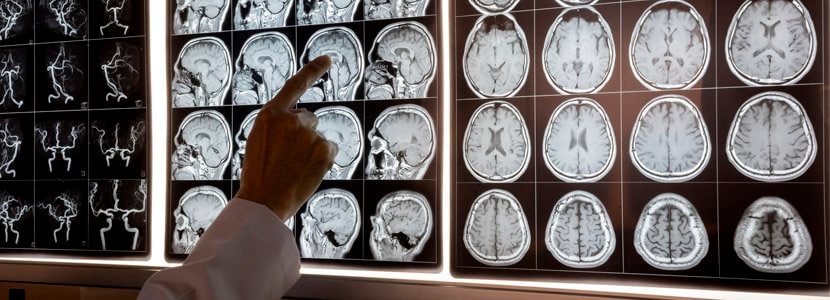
(285, 157)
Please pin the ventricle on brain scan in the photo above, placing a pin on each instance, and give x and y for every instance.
(331, 224)
(579, 143)
(325, 11)
(340, 83)
(401, 226)
(772, 238)
(403, 144)
(496, 57)
(261, 14)
(202, 73)
(402, 62)
(199, 16)
(670, 234)
(197, 209)
(265, 63)
(202, 147)
(341, 125)
(388, 9)
(496, 145)
(496, 232)
(579, 233)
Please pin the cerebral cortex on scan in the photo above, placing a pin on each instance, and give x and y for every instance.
(401, 226)
(409, 135)
(264, 64)
(670, 234)
(209, 135)
(578, 54)
(496, 232)
(579, 143)
(579, 233)
(497, 143)
(496, 57)
(772, 238)
(331, 223)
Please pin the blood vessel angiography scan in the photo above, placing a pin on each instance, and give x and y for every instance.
(66, 73)
(401, 226)
(340, 124)
(493, 6)
(567, 3)
(122, 68)
(331, 224)
(11, 139)
(199, 16)
(579, 233)
(12, 211)
(325, 11)
(772, 237)
(403, 144)
(197, 209)
(497, 232)
(118, 17)
(670, 234)
(63, 209)
(13, 83)
(120, 204)
(340, 83)
(66, 17)
(116, 144)
(202, 73)
(261, 14)
(496, 57)
(13, 16)
(202, 147)
(402, 62)
(496, 145)
(265, 62)
(579, 143)
(60, 142)
(388, 9)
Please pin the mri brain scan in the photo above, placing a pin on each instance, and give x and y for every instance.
(202, 73)
(388, 9)
(66, 17)
(771, 42)
(325, 11)
(496, 144)
(199, 16)
(494, 6)
(496, 232)
(265, 62)
(340, 82)
(202, 147)
(197, 209)
(578, 54)
(241, 139)
(670, 234)
(402, 62)
(331, 224)
(496, 57)
(772, 237)
(11, 139)
(579, 233)
(341, 125)
(402, 142)
(13, 71)
(670, 141)
(669, 46)
(567, 3)
(122, 68)
(771, 138)
(12, 16)
(401, 226)
(579, 141)
(261, 14)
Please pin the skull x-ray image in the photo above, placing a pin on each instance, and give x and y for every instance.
(497, 232)
(61, 145)
(122, 68)
(241, 139)
(197, 209)
(493, 6)
(496, 145)
(11, 140)
(202, 73)
(579, 233)
(261, 14)
(402, 62)
(388, 9)
(331, 224)
(670, 234)
(670, 46)
(340, 83)
(15, 18)
(401, 226)
(340, 124)
(771, 42)
(403, 144)
(265, 62)
(66, 72)
(325, 11)
(772, 238)
(122, 205)
(68, 18)
(579, 143)
(202, 147)
(13, 69)
(496, 57)
(199, 16)
(14, 211)
(117, 19)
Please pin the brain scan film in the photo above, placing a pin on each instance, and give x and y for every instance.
(12, 16)
(346, 52)
(496, 232)
(402, 62)
(494, 6)
(340, 124)
(401, 226)
(63, 209)
(772, 237)
(261, 14)
(197, 209)
(12, 211)
(579, 233)
(579, 143)
(199, 16)
(12, 77)
(567, 3)
(403, 144)
(122, 67)
(66, 74)
(202, 73)
(388, 9)
(331, 224)
(771, 138)
(118, 145)
(11, 139)
(60, 138)
(118, 17)
(496, 57)
(670, 141)
(128, 205)
(202, 147)
(66, 17)
(241, 139)
(670, 46)
(265, 62)
(670, 234)
(771, 42)
(325, 11)
(578, 54)
(496, 144)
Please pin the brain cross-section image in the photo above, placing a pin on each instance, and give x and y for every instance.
(670, 234)
(331, 224)
(496, 57)
(403, 144)
(65, 17)
(13, 17)
(325, 11)
(346, 52)
(199, 16)
(670, 46)
(771, 42)
(122, 69)
(11, 140)
(496, 232)
(265, 62)
(579, 233)
(771, 138)
(13, 83)
(197, 209)
(388, 9)
(402, 62)
(670, 141)
(578, 54)
(496, 143)
(117, 144)
(12, 211)
(202, 147)
(202, 73)
(772, 238)
(579, 143)
(119, 204)
(401, 226)
(493, 6)
(241, 139)
(61, 141)
(66, 72)
(261, 14)
(340, 124)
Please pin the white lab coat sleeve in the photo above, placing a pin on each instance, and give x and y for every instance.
(247, 253)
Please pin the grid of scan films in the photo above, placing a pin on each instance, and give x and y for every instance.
(377, 103)
(667, 138)
(73, 127)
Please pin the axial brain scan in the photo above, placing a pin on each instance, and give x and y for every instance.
(331, 224)
(578, 54)
(670, 46)
(197, 209)
(497, 232)
(670, 141)
(388, 9)
(670, 234)
(241, 139)
(771, 42)
(265, 62)
(341, 125)
(579, 233)
(496, 143)
(496, 57)
(12, 14)
(567, 3)
(579, 141)
(202, 147)
(261, 14)
(199, 16)
(402, 62)
(402, 143)
(325, 11)
(494, 6)
(771, 138)
(772, 237)
(202, 73)
(401, 226)
(340, 82)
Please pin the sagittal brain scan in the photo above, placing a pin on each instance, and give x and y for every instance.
(401, 226)
(496, 232)
(340, 83)
(494, 6)
(325, 11)
(772, 238)
(120, 204)
(63, 209)
(65, 17)
(122, 69)
(496, 144)
(340, 124)
(579, 143)
(578, 54)
(579, 233)
(116, 144)
(771, 42)
(496, 57)
(118, 17)
(331, 224)
(388, 9)
(403, 144)
(261, 14)
(265, 62)
(14, 15)
(199, 16)
(12, 211)
(241, 138)
(197, 209)
(66, 74)
(11, 140)
(670, 46)
(202, 147)
(202, 73)
(60, 142)
(402, 62)
(13, 71)
(670, 234)
(771, 138)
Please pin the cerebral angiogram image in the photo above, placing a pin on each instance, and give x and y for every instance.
(402, 142)
(263, 64)
(579, 232)
(61, 20)
(61, 213)
(16, 20)
(310, 12)
(16, 148)
(200, 16)
(402, 61)
(118, 144)
(496, 145)
(670, 234)
(343, 45)
(401, 226)
(62, 70)
(391, 9)
(202, 145)
(496, 231)
(262, 14)
(496, 59)
(17, 211)
(116, 18)
(772, 238)
(120, 67)
(202, 71)
(16, 85)
(195, 206)
(331, 222)
(61, 145)
(579, 143)
(118, 215)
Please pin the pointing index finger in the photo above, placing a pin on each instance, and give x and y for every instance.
(299, 83)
